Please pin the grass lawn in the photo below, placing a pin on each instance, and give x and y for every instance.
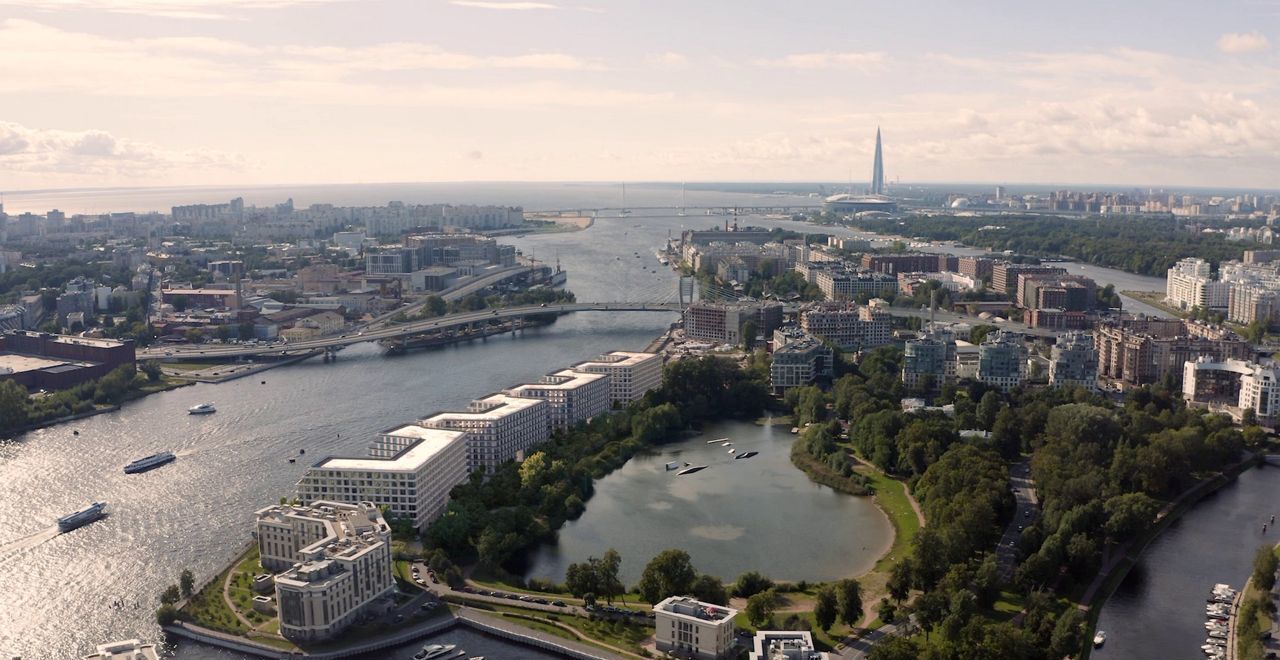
(891, 495)
(622, 635)
(207, 609)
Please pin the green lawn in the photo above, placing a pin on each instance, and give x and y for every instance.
(891, 495)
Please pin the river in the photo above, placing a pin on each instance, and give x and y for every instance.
(196, 513)
(1157, 612)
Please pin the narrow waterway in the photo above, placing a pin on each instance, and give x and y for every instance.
(725, 516)
(1157, 612)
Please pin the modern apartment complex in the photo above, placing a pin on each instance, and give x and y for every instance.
(572, 396)
(785, 645)
(694, 629)
(926, 359)
(1144, 350)
(1074, 361)
(499, 428)
(723, 322)
(1233, 386)
(1002, 358)
(842, 284)
(1190, 284)
(798, 359)
(630, 374)
(851, 327)
(410, 469)
(334, 563)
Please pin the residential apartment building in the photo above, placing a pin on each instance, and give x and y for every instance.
(573, 397)
(630, 374)
(1144, 350)
(1233, 386)
(1190, 284)
(926, 359)
(979, 268)
(410, 469)
(851, 327)
(1004, 275)
(798, 359)
(334, 564)
(1074, 361)
(891, 264)
(850, 285)
(499, 428)
(785, 645)
(723, 322)
(1002, 358)
(694, 629)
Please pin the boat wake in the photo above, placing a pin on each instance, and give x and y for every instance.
(10, 549)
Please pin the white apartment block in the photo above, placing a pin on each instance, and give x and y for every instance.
(692, 628)
(573, 397)
(1190, 284)
(630, 374)
(336, 561)
(785, 645)
(1235, 385)
(410, 469)
(499, 428)
(851, 327)
(1074, 361)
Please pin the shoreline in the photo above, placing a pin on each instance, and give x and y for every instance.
(132, 396)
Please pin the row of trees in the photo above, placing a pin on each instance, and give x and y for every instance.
(19, 409)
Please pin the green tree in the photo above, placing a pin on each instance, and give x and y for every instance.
(849, 596)
(750, 584)
(186, 582)
(171, 595)
(825, 608)
(1129, 515)
(886, 610)
(1249, 417)
(14, 405)
(670, 573)
(760, 607)
(988, 409)
(152, 369)
(166, 615)
(899, 584)
(610, 583)
(709, 589)
(749, 332)
(179, 303)
(582, 578)
(1264, 568)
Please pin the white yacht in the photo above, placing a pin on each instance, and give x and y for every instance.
(434, 651)
(1100, 638)
(129, 649)
(202, 409)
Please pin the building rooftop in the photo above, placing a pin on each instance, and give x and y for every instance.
(492, 407)
(70, 339)
(616, 359)
(429, 442)
(685, 607)
(13, 363)
(565, 379)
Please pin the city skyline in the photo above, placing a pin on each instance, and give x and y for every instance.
(195, 92)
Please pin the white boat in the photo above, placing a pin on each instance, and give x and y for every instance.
(434, 651)
(129, 649)
(795, 429)
(717, 440)
(691, 470)
(726, 443)
(731, 450)
(1099, 638)
(201, 409)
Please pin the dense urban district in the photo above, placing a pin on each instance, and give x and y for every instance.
(1024, 434)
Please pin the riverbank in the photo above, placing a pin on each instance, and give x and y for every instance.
(162, 385)
(223, 372)
(1114, 571)
(1155, 299)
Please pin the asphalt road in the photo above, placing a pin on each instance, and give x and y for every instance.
(1024, 491)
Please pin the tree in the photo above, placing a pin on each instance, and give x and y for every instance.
(607, 573)
(749, 331)
(825, 608)
(14, 405)
(988, 408)
(1249, 417)
(1264, 568)
(670, 573)
(171, 595)
(750, 584)
(849, 595)
(186, 582)
(166, 615)
(899, 584)
(760, 607)
(246, 330)
(152, 369)
(179, 303)
(886, 610)
(1129, 515)
(709, 589)
(194, 336)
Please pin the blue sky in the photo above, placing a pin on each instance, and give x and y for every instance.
(161, 92)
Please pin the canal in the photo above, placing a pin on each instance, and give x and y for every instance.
(1157, 612)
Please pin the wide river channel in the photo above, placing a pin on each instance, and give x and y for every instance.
(64, 593)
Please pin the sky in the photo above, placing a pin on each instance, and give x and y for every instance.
(217, 92)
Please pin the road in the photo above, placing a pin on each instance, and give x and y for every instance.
(861, 649)
(1028, 509)
(455, 293)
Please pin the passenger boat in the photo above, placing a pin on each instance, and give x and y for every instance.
(202, 409)
(82, 517)
(133, 649)
(691, 470)
(150, 462)
(1099, 638)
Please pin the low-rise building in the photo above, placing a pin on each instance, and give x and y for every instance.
(785, 645)
(410, 469)
(573, 396)
(499, 428)
(334, 564)
(694, 629)
(631, 374)
(38, 360)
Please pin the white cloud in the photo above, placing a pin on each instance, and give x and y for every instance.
(181, 9)
(1236, 43)
(496, 4)
(828, 60)
(670, 59)
(99, 155)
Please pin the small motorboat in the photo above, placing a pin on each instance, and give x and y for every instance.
(731, 450)
(1099, 638)
(691, 470)
(293, 460)
(434, 651)
(795, 429)
(712, 442)
(726, 443)
(746, 454)
(201, 409)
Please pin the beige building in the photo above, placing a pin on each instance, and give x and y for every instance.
(785, 645)
(691, 628)
(410, 469)
(336, 563)
(499, 428)
(630, 374)
(851, 327)
(573, 397)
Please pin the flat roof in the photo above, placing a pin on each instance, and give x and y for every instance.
(628, 359)
(574, 379)
(503, 405)
(17, 363)
(69, 339)
(429, 443)
(198, 292)
(689, 608)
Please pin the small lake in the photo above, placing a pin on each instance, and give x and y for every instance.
(760, 513)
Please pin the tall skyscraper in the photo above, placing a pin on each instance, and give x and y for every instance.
(877, 169)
